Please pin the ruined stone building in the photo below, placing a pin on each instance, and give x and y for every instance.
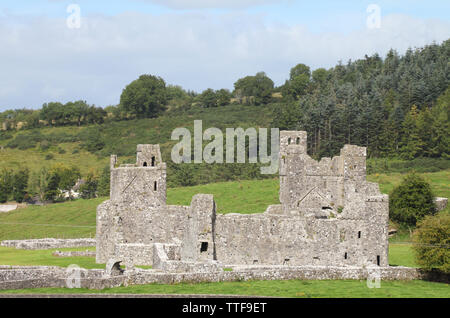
(328, 215)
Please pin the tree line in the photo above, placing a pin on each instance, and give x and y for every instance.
(396, 107)
(55, 184)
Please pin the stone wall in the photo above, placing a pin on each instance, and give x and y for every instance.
(329, 215)
(16, 277)
(48, 243)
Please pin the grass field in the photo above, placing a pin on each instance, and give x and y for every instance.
(289, 288)
(12, 256)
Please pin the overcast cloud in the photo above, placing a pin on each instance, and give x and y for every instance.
(42, 60)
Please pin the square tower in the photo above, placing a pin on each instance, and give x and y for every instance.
(143, 183)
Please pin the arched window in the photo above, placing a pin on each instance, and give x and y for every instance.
(145, 164)
(153, 161)
(155, 186)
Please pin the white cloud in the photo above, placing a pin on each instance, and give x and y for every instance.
(43, 60)
(213, 4)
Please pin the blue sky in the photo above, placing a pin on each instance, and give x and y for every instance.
(196, 44)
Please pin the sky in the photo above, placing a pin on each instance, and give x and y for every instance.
(58, 50)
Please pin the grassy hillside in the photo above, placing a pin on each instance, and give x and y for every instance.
(89, 147)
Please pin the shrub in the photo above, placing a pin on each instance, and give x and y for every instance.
(45, 145)
(25, 141)
(432, 238)
(49, 156)
(411, 201)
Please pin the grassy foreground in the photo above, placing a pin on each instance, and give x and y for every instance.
(290, 288)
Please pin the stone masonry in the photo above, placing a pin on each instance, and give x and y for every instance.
(329, 216)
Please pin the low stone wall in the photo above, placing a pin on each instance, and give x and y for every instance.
(441, 203)
(16, 277)
(74, 254)
(49, 243)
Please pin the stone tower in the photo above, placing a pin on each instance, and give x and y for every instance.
(143, 183)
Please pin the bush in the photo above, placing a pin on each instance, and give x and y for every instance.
(49, 156)
(25, 141)
(45, 145)
(411, 201)
(432, 239)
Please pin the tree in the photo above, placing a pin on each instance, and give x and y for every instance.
(299, 81)
(52, 192)
(6, 185)
(89, 188)
(145, 97)
(319, 76)
(256, 89)
(411, 201)
(60, 177)
(20, 184)
(104, 182)
(411, 144)
(39, 182)
(223, 97)
(208, 98)
(52, 113)
(432, 239)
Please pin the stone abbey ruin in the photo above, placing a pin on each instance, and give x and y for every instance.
(331, 224)
(329, 216)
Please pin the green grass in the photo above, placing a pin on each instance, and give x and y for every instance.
(34, 159)
(238, 196)
(72, 219)
(440, 181)
(401, 255)
(290, 288)
(12, 256)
